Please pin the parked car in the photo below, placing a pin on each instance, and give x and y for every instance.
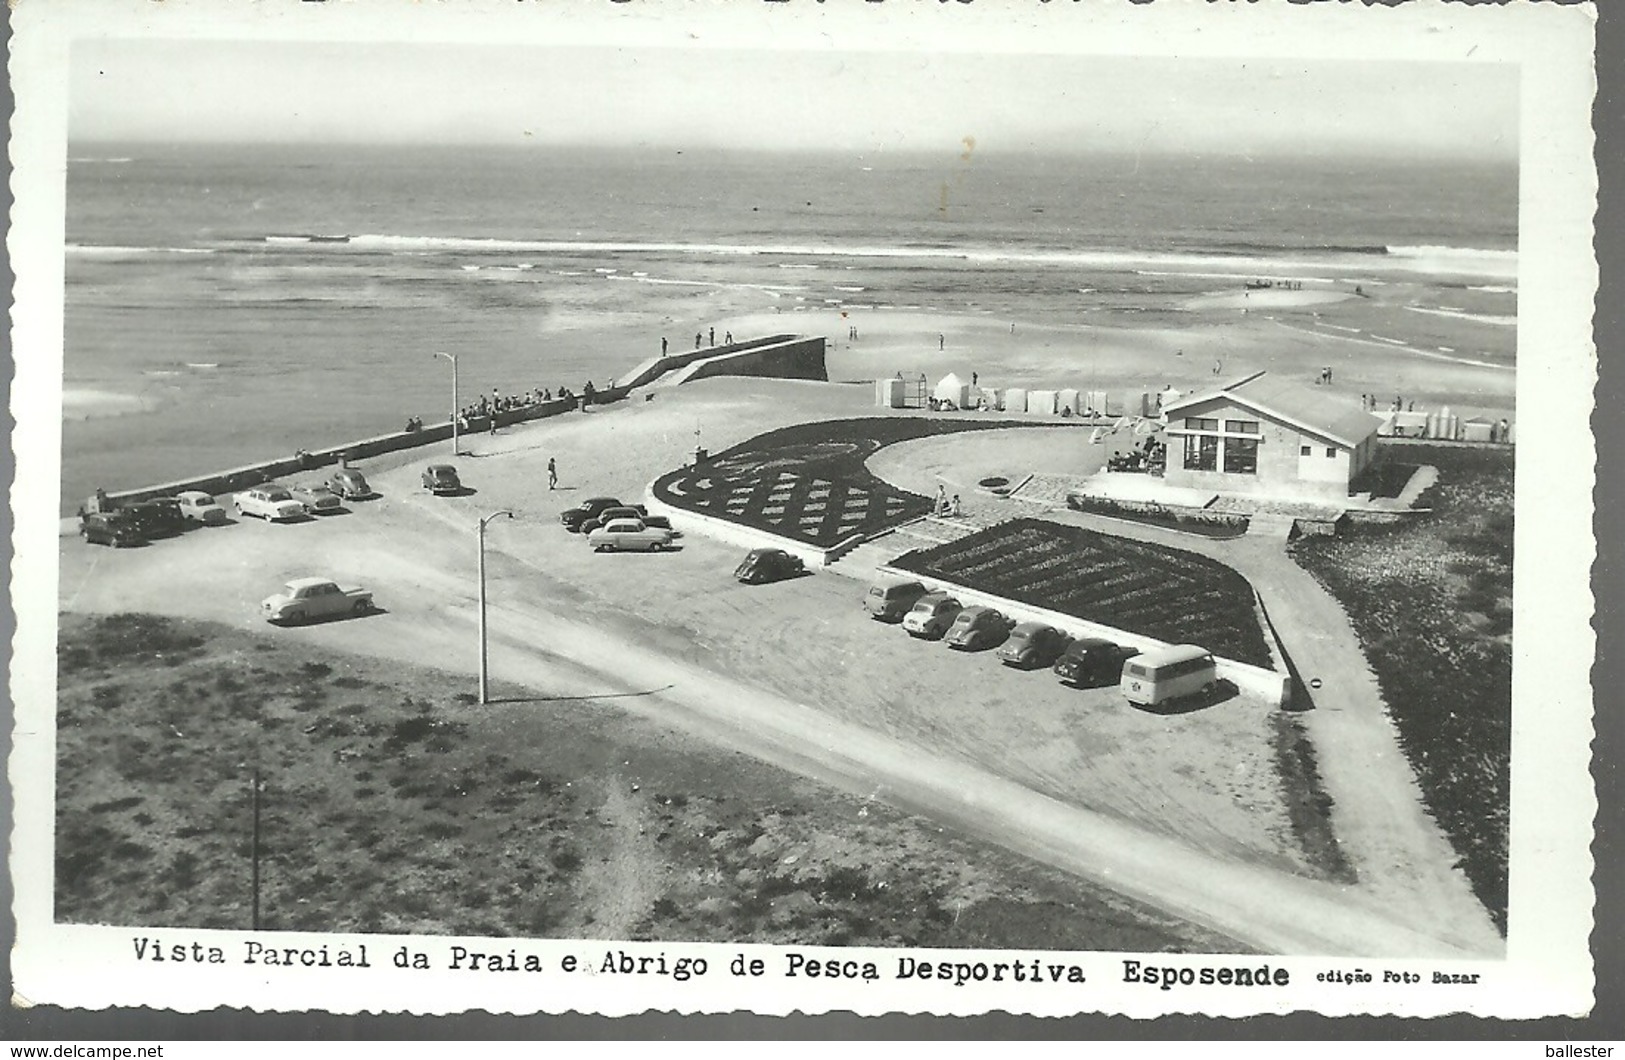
(661, 522)
(1092, 661)
(1168, 674)
(349, 484)
(1033, 645)
(111, 528)
(768, 565)
(317, 498)
(307, 599)
(978, 627)
(199, 507)
(156, 517)
(591, 508)
(889, 600)
(629, 535)
(931, 615)
(608, 515)
(270, 501)
(441, 479)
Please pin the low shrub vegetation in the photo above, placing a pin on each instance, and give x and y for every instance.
(1208, 524)
(387, 805)
(1431, 600)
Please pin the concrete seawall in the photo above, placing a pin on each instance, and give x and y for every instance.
(786, 356)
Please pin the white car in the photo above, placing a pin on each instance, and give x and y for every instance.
(307, 599)
(198, 507)
(628, 535)
(272, 502)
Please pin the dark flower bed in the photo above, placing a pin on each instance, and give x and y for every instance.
(1385, 478)
(1431, 600)
(809, 481)
(1165, 593)
(1208, 524)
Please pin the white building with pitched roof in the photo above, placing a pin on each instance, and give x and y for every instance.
(1268, 436)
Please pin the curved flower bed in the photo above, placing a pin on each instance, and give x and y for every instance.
(1165, 593)
(810, 482)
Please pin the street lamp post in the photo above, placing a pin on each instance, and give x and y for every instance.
(456, 446)
(485, 679)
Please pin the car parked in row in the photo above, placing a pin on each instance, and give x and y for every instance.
(629, 535)
(591, 508)
(111, 528)
(978, 627)
(271, 502)
(931, 615)
(308, 599)
(201, 508)
(350, 484)
(1033, 646)
(441, 480)
(762, 565)
(156, 517)
(317, 498)
(1092, 662)
(889, 601)
(1177, 672)
(609, 515)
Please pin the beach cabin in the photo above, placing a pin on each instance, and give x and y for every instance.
(952, 388)
(1268, 436)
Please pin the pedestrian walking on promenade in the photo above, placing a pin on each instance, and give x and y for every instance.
(552, 473)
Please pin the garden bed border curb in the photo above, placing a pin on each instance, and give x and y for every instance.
(733, 533)
(1275, 687)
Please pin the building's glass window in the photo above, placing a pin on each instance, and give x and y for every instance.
(1330, 452)
(1241, 426)
(1306, 450)
(1201, 453)
(1196, 424)
(1241, 456)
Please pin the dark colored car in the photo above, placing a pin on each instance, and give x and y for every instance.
(623, 511)
(768, 565)
(889, 601)
(1092, 662)
(111, 528)
(591, 508)
(158, 517)
(441, 478)
(978, 627)
(931, 615)
(1033, 645)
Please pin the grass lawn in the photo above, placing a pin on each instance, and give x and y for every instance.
(1165, 593)
(393, 803)
(1431, 600)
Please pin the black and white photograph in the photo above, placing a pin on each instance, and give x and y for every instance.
(609, 507)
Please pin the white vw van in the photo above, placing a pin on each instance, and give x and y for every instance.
(1170, 673)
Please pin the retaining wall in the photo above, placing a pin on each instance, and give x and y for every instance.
(1274, 687)
(744, 536)
(789, 358)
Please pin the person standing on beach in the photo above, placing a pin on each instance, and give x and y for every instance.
(1218, 366)
(728, 339)
(942, 499)
(552, 473)
(941, 341)
(699, 339)
(973, 379)
(713, 336)
(662, 345)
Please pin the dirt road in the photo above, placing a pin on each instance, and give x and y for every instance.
(595, 626)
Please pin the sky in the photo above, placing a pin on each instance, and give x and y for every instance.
(279, 91)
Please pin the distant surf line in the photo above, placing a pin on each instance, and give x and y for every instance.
(1397, 345)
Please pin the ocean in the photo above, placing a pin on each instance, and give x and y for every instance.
(229, 303)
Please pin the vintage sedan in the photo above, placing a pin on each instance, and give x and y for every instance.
(977, 628)
(629, 535)
(931, 615)
(769, 565)
(201, 508)
(271, 501)
(1033, 645)
(1092, 661)
(156, 517)
(591, 508)
(350, 484)
(441, 479)
(317, 498)
(308, 599)
(609, 515)
(111, 528)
